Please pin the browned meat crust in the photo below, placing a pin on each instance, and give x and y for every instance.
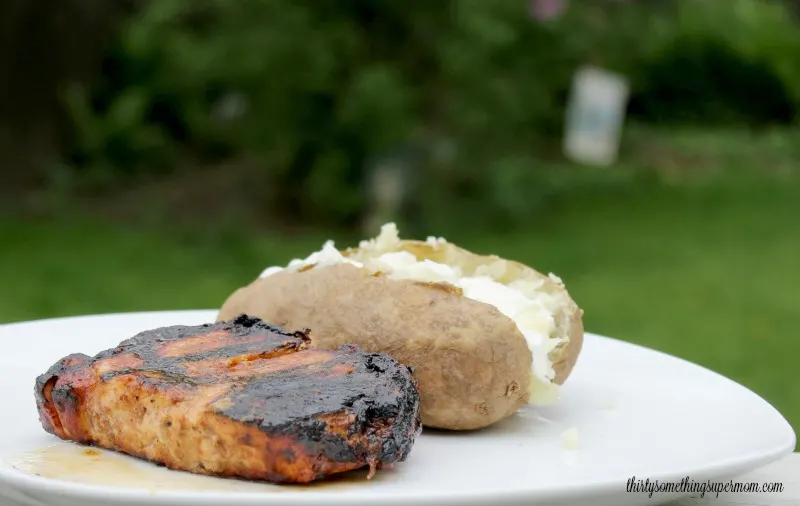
(239, 399)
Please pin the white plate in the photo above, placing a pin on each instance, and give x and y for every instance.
(637, 412)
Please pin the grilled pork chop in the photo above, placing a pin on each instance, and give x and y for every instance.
(239, 399)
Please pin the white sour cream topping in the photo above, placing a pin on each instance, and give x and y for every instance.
(523, 304)
(328, 255)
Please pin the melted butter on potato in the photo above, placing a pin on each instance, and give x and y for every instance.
(525, 301)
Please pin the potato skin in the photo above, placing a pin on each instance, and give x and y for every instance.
(569, 321)
(472, 364)
(565, 363)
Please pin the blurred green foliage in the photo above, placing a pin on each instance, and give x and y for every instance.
(722, 63)
(466, 96)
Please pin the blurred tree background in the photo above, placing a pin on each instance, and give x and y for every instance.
(302, 99)
(158, 154)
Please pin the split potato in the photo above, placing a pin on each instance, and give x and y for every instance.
(483, 335)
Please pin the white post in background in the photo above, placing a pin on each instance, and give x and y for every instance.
(386, 192)
(595, 115)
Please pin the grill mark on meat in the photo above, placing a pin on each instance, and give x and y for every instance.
(153, 374)
(246, 399)
(200, 343)
(206, 368)
(118, 362)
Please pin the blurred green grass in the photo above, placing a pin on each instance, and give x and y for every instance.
(706, 271)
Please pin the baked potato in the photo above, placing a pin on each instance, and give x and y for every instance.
(483, 335)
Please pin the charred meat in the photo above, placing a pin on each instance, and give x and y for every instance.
(241, 399)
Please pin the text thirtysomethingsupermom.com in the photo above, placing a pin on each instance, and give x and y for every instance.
(687, 485)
